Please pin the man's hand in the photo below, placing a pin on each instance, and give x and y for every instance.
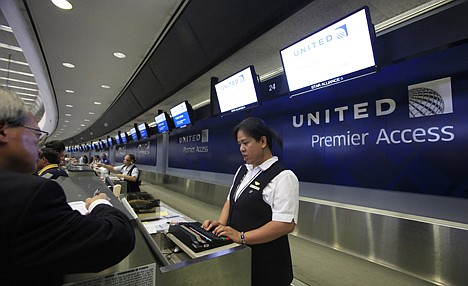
(100, 196)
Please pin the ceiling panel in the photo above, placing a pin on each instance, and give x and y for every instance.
(146, 88)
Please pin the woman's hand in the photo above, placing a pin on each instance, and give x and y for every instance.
(210, 225)
(228, 231)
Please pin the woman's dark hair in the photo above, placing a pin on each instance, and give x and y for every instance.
(256, 128)
(132, 157)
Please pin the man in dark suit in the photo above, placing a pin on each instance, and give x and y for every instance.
(42, 238)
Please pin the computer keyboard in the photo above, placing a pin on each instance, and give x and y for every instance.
(197, 238)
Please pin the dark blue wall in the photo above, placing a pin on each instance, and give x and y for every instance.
(428, 158)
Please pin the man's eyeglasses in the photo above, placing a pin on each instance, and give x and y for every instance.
(42, 134)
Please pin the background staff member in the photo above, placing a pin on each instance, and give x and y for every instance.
(104, 159)
(42, 238)
(59, 147)
(47, 165)
(128, 171)
(262, 206)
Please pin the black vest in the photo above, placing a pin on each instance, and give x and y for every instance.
(271, 261)
(132, 187)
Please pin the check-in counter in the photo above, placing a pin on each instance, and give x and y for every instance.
(229, 264)
(80, 170)
(153, 261)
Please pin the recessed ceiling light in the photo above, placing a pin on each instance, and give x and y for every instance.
(68, 65)
(82, 125)
(66, 121)
(105, 86)
(120, 55)
(86, 120)
(92, 113)
(68, 114)
(69, 105)
(69, 91)
(63, 4)
(97, 103)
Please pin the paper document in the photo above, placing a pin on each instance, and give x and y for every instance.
(79, 206)
(166, 217)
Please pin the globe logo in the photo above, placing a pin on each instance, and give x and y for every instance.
(341, 32)
(424, 102)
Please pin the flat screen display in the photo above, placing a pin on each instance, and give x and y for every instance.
(117, 139)
(162, 122)
(143, 130)
(123, 137)
(181, 114)
(134, 134)
(238, 92)
(339, 52)
(109, 142)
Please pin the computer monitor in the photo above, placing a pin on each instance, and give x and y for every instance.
(342, 51)
(117, 139)
(143, 129)
(163, 122)
(182, 115)
(238, 91)
(110, 141)
(123, 137)
(134, 134)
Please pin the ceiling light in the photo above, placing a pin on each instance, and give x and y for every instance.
(82, 125)
(69, 105)
(97, 103)
(92, 113)
(67, 114)
(68, 65)
(63, 4)
(105, 86)
(22, 88)
(120, 55)
(69, 91)
(17, 80)
(66, 121)
(26, 94)
(86, 120)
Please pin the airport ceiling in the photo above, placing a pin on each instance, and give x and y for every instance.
(172, 48)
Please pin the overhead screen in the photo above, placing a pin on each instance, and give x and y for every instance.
(133, 132)
(123, 137)
(110, 142)
(339, 52)
(143, 130)
(162, 122)
(182, 114)
(238, 92)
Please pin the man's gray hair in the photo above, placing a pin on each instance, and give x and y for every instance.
(13, 111)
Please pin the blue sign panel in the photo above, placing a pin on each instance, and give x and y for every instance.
(402, 129)
(206, 146)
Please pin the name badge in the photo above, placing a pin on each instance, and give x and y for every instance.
(255, 186)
